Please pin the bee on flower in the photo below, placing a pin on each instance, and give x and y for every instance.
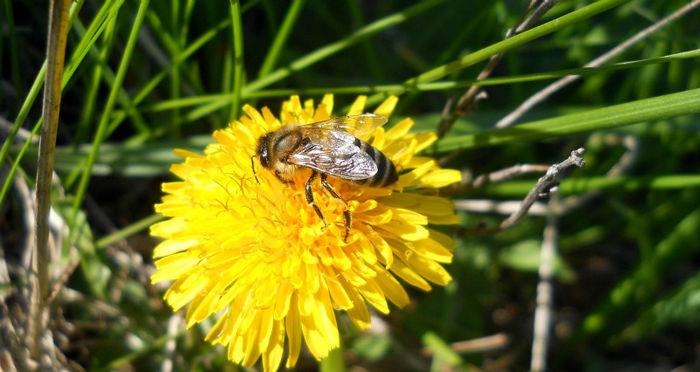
(284, 220)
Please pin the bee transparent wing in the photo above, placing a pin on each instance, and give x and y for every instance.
(357, 125)
(334, 152)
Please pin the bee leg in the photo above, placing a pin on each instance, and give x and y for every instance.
(330, 188)
(346, 213)
(310, 197)
(252, 165)
(282, 179)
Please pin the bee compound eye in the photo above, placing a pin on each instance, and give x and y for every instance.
(262, 152)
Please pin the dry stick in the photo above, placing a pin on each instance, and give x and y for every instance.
(493, 177)
(498, 207)
(540, 209)
(623, 164)
(55, 58)
(543, 310)
(467, 103)
(543, 186)
(561, 83)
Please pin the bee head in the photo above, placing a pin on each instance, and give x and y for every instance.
(263, 153)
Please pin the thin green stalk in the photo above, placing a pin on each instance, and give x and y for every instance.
(226, 86)
(15, 164)
(505, 45)
(237, 58)
(175, 94)
(128, 231)
(55, 59)
(21, 116)
(102, 126)
(91, 97)
(281, 37)
(576, 186)
(335, 47)
(321, 54)
(153, 83)
(185, 26)
(102, 19)
(158, 29)
(95, 29)
(370, 57)
(421, 87)
(175, 72)
(124, 99)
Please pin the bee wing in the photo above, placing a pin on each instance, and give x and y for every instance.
(357, 125)
(334, 152)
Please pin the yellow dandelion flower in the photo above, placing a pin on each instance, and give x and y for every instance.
(244, 246)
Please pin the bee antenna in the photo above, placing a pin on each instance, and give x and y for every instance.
(252, 165)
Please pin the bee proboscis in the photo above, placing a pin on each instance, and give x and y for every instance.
(328, 147)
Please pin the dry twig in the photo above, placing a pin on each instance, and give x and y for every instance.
(543, 186)
(493, 177)
(561, 83)
(545, 295)
(469, 100)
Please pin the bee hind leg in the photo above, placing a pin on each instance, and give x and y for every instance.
(310, 197)
(346, 213)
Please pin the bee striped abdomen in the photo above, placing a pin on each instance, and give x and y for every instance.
(386, 170)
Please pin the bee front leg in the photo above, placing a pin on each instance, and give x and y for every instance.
(310, 197)
(282, 179)
(346, 213)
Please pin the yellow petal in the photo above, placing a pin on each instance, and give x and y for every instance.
(387, 107)
(169, 247)
(272, 356)
(327, 102)
(359, 314)
(293, 325)
(358, 106)
(441, 178)
(392, 289)
(409, 276)
(375, 296)
(399, 130)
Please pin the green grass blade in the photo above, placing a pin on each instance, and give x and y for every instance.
(281, 37)
(505, 45)
(573, 186)
(238, 75)
(681, 307)
(128, 231)
(158, 78)
(335, 47)
(102, 126)
(422, 87)
(15, 163)
(26, 106)
(670, 105)
(636, 289)
(103, 18)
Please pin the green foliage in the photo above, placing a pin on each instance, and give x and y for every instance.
(142, 78)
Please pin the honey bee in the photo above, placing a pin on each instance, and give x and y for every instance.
(328, 147)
